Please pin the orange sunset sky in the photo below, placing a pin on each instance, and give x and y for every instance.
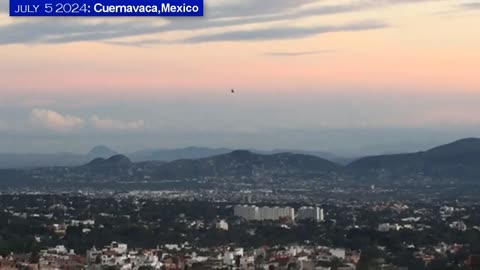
(312, 70)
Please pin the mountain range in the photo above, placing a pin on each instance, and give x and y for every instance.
(458, 160)
(243, 163)
(36, 160)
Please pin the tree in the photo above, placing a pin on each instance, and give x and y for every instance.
(34, 257)
(335, 263)
(368, 257)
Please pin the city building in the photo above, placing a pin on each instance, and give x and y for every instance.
(222, 225)
(310, 212)
(252, 212)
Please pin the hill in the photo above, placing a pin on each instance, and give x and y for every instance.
(194, 152)
(100, 151)
(176, 154)
(241, 163)
(117, 164)
(457, 160)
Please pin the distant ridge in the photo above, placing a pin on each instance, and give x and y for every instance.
(34, 160)
(114, 166)
(113, 161)
(194, 152)
(101, 151)
(459, 160)
(463, 146)
(191, 152)
(245, 163)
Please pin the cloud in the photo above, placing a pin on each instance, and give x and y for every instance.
(471, 5)
(219, 14)
(139, 43)
(55, 121)
(298, 53)
(277, 33)
(55, 31)
(264, 34)
(107, 123)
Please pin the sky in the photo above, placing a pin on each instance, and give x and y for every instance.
(347, 76)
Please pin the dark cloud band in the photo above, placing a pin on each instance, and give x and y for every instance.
(239, 13)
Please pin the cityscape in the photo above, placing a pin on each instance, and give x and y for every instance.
(109, 215)
(239, 135)
(148, 230)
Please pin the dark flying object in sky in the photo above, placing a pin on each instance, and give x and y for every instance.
(233, 90)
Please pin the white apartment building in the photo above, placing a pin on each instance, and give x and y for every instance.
(252, 212)
(310, 212)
